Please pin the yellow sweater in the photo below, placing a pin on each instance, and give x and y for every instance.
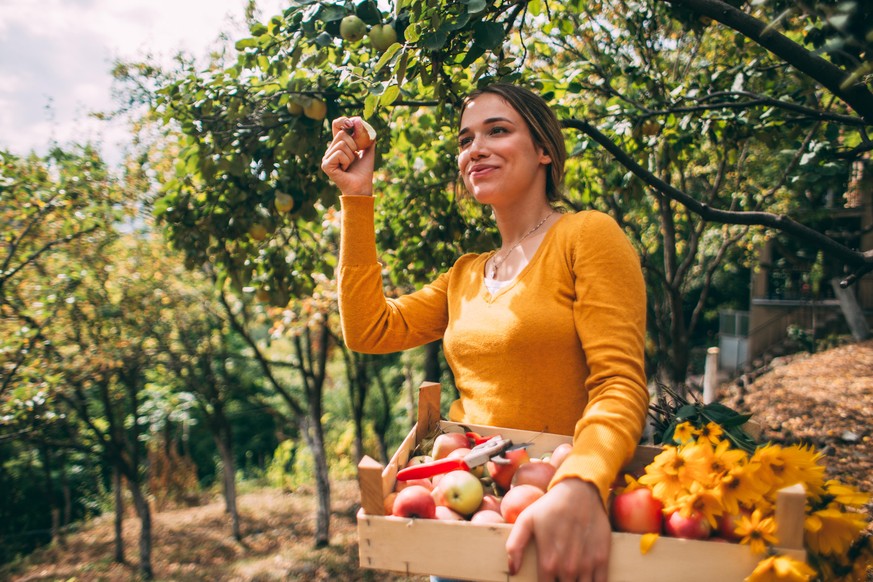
(559, 350)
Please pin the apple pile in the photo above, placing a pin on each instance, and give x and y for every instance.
(636, 510)
(496, 492)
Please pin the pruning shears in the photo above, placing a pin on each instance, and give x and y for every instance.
(488, 449)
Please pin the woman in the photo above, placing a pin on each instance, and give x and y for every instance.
(544, 333)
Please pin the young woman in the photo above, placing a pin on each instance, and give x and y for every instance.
(545, 333)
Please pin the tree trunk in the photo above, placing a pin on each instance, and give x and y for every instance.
(225, 450)
(119, 515)
(314, 435)
(145, 534)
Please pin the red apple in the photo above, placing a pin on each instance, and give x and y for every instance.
(426, 483)
(461, 491)
(418, 460)
(537, 474)
(517, 500)
(637, 512)
(490, 502)
(414, 501)
(502, 469)
(693, 527)
(559, 454)
(447, 442)
(727, 525)
(443, 512)
(487, 516)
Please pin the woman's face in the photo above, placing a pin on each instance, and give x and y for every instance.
(498, 159)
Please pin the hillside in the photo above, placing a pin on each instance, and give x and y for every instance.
(825, 399)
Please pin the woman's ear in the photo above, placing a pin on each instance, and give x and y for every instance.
(545, 159)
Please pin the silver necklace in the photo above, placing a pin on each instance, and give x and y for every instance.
(497, 260)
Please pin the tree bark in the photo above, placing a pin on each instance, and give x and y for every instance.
(314, 435)
(145, 535)
(225, 450)
(119, 515)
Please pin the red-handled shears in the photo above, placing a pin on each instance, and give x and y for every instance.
(491, 448)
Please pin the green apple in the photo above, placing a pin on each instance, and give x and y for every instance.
(460, 491)
(382, 36)
(316, 109)
(294, 108)
(352, 28)
(283, 202)
(258, 231)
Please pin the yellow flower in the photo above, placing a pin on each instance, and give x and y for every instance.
(831, 531)
(741, 486)
(700, 500)
(710, 432)
(805, 468)
(781, 569)
(684, 433)
(783, 466)
(846, 494)
(724, 458)
(698, 460)
(666, 475)
(757, 531)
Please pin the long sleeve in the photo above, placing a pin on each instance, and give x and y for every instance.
(371, 322)
(610, 314)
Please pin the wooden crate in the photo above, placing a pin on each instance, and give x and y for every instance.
(457, 549)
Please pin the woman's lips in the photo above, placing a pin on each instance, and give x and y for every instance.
(478, 171)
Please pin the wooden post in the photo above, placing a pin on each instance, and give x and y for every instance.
(370, 482)
(790, 514)
(710, 375)
(428, 409)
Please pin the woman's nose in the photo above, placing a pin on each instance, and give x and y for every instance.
(477, 148)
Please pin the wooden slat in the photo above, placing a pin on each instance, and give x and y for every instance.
(428, 409)
(370, 482)
(790, 515)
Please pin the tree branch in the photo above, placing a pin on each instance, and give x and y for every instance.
(863, 260)
(833, 78)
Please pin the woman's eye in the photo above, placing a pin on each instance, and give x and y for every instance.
(464, 141)
(498, 129)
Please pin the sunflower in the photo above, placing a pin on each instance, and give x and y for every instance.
(781, 569)
(684, 433)
(757, 531)
(701, 500)
(666, 475)
(831, 530)
(711, 432)
(741, 486)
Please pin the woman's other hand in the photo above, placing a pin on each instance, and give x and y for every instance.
(350, 170)
(572, 532)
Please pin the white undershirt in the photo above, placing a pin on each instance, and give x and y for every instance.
(493, 285)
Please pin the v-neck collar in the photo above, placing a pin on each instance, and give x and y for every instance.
(521, 274)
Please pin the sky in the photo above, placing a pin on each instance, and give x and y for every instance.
(56, 58)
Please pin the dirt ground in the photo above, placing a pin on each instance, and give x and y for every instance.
(194, 544)
(825, 399)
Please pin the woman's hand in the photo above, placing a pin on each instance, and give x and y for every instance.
(572, 532)
(351, 171)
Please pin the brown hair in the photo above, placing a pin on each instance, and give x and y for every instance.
(543, 125)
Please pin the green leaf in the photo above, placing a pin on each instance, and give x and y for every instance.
(245, 43)
(370, 103)
(476, 6)
(391, 93)
(387, 56)
(488, 35)
(434, 41)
